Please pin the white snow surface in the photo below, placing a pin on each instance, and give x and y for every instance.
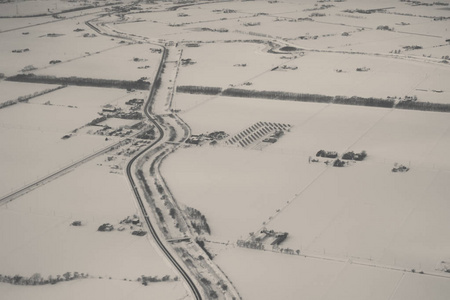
(33, 132)
(94, 289)
(37, 237)
(362, 211)
(12, 90)
(266, 275)
(361, 229)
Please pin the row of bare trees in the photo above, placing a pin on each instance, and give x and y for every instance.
(30, 96)
(304, 97)
(37, 279)
(81, 81)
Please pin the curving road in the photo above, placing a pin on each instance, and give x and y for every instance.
(153, 232)
(161, 245)
(148, 112)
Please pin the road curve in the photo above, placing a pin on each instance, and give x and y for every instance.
(147, 110)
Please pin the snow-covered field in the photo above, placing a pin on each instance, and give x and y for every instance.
(369, 212)
(32, 154)
(37, 236)
(363, 210)
(33, 132)
(27, 8)
(361, 229)
(266, 275)
(118, 123)
(418, 138)
(187, 33)
(12, 90)
(184, 102)
(94, 289)
(129, 62)
(16, 23)
(316, 73)
(415, 72)
(218, 64)
(318, 69)
(92, 195)
(66, 45)
(218, 180)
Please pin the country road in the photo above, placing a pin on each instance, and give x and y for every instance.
(148, 112)
(172, 133)
(153, 232)
(46, 179)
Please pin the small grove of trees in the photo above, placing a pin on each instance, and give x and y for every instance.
(413, 47)
(205, 90)
(159, 187)
(173, 213)
(153, 166)
(250, 244)
(141, 177)
(159, 213)
(158, 83)
(213, 294)
(202, 245)
(145, 280)
(384, 27)
(260, 246)
(172, 134)
(198, 220)
(37, 279)
(289, 251)
(338, 163)
(426, 106)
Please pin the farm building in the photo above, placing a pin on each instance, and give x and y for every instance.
(109, 108)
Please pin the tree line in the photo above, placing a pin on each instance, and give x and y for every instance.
(82, 81)
(250, 244)
(277, 95)
(37, 279)
(202, 245)
(30, 96)
(305, 97)
(260, 246)
(146, 279)
(426, 106)
(364, 101)
(147, 189)
(205, 90)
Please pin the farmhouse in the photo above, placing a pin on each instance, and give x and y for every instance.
(194, 140)
(106, 227)
(109, 108)
(329, 154)
(279, 238)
